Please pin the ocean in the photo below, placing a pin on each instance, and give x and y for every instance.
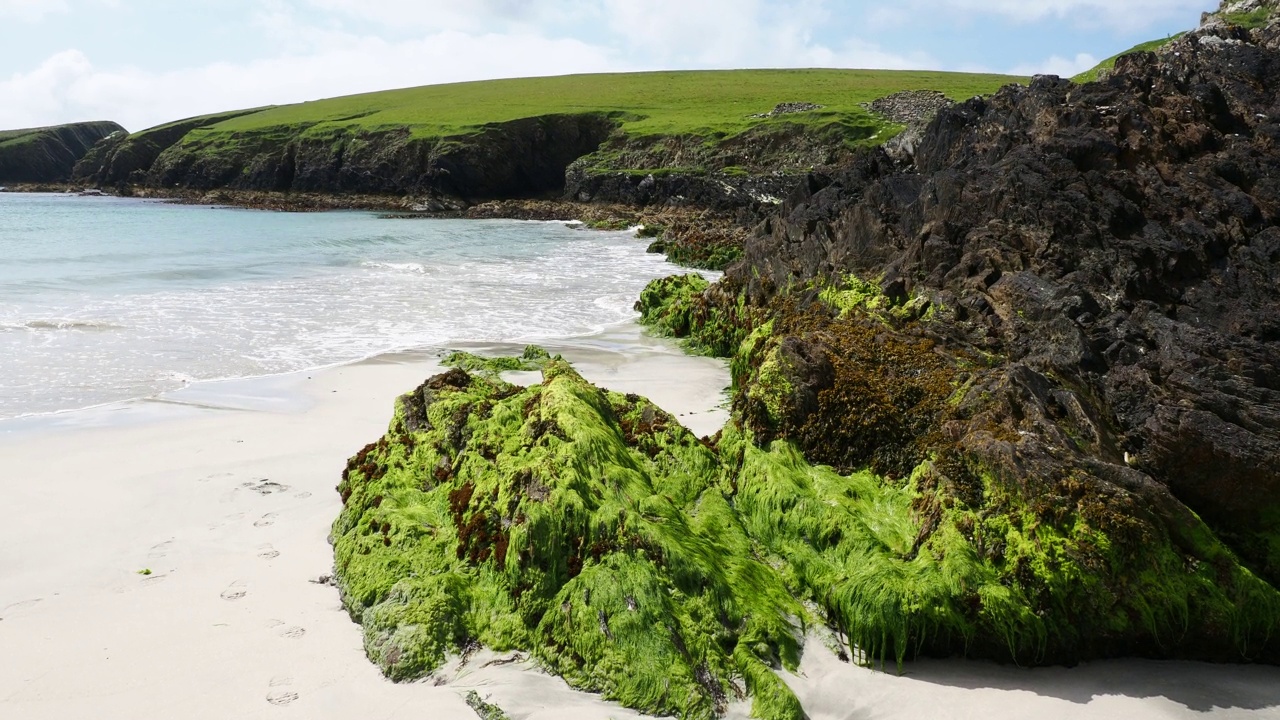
(104, 300)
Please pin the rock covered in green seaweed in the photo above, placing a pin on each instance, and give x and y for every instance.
(583, 526)
(533, 358)
(888, 474)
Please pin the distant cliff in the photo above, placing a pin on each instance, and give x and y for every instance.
(706, 139)
(510, 159)
(49, 154)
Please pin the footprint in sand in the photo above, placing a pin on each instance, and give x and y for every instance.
(302, 495)
(265, 487)
(292, 633)
(160, 551)
(235, 591)
(10, 609)
(281, 697)
(266, 520)
(280, 681)
(216, 476)
(267, 552)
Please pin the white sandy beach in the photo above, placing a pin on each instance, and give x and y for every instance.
(226, 497)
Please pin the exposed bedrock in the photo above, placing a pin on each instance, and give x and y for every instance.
(124, 159)
(1067, 302)
(44, 155)
(521, 158)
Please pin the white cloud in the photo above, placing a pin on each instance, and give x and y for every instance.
(1056, 65)
(343, 51)
(739, 33)
(31, 10)
(1127, 15)
(69, 86)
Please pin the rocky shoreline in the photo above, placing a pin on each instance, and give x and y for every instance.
(1004, 389)
(1008, 392)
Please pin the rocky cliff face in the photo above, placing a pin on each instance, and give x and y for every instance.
(1056, 319)
(580, 157)
(126, 159)
(1247, 13)
(1120, 237)
(750, 172)
(44, 155)
(515, 159)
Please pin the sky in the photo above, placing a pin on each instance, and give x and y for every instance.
(146, 62)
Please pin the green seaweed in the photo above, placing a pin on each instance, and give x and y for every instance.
(851, 293)
(585, 527)
(591, 530)
(690, 309)
(667, 305)
(486, 710)
(533, 358)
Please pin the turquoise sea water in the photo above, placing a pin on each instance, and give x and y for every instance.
(105, 299)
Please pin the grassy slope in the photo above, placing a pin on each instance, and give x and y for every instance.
(14, 138)
(1150, 46)
(705, 103)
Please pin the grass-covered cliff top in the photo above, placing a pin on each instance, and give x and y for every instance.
(1107, 65)
(13, 138)
(704, 103)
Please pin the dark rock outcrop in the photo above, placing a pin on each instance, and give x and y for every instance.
(1059, 315)
(47, 155)
(520, 158)
(127, 159)
(748, 174)
(1118, 237)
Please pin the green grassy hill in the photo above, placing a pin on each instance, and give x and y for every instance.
(518, 138)
(704, 103)
(1094, 73)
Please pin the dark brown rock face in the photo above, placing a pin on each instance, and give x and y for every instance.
(1113, 250)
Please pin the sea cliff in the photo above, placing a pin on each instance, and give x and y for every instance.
(49, 155)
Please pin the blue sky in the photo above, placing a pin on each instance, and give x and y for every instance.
(144, 62)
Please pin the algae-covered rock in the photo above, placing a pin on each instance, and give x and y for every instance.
(929, 498)
(533, 358)
(585, 527)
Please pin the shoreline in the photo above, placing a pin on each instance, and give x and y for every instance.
(230, 511)
(690, 236)
(228, 507)
(170, 564)
(284, 392)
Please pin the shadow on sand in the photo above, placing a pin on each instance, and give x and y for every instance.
(1199, 687)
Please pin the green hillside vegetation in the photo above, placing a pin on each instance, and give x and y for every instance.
(1252, 19)
(14, 138)
(713, 104)
(1093, 74)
